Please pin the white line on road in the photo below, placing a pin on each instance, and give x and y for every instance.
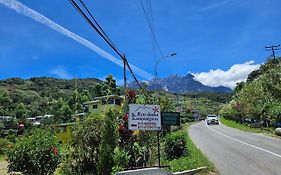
(253, 146)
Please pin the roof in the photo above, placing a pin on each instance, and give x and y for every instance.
(79, 114)
(66, 124)
(98, 99)
(91, 102)
(108, 96)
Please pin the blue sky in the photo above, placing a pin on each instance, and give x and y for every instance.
(219, 41)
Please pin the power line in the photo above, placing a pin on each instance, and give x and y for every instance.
(104, 36)
(99, 27)
(272, 48)
(80, 11)
(149, 19)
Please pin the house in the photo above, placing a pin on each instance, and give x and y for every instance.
(101, 104)
(6, 118)
(38, 119)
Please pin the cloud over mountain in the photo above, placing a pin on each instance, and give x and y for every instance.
(228, 78)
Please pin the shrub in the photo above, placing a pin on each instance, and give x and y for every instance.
(35, 154)
(175, 145)
(82, 156)
(4, 144)
(108, 143)
(121, 159)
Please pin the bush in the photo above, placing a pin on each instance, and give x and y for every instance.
(108, 143)
(121, 159)
(35, 154)
(4, 144)
(175, 145)
(82, 156)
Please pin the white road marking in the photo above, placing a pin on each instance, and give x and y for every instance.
(253, 146)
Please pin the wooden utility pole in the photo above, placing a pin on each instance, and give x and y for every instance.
(272, 48)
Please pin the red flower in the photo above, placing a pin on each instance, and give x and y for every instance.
(55, 151)
(125, 117)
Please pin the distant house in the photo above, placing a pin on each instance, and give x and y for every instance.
(38, 119)
(101, 104)
(6, 118)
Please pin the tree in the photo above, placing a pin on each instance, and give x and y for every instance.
(61, 110)
(86, 96)
(82, 157)
(5, 102)
(21, 112)
(108, 143)
(75, 102)
(111, 85)
(35, 154)
(98, 90)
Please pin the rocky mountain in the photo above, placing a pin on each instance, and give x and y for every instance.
(181, 84)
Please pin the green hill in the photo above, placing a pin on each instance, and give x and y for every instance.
(37, 95)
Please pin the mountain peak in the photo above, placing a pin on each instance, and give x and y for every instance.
(181, 84)
(189, 76)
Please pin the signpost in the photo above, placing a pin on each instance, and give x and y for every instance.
(170, 118)
(144, 117)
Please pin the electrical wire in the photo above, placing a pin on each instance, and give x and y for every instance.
(99, 27)
(101, 32)
(149, 20)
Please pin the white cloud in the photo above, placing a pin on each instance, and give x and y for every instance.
(36, 16)
(60, 72)
(228, 78)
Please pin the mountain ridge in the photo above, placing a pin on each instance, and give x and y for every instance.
(180, 84)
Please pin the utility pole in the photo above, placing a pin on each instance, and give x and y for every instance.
(125, 84)
(124, 74)
(272, 48)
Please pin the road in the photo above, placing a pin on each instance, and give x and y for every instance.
(235, 152)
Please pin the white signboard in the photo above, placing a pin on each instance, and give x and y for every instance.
(144, 117)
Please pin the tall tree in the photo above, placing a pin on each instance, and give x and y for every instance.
(111, 85)
(21, 112)
(108, 143)
(5, 102)
(75, 102)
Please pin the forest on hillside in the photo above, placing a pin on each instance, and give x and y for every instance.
(43, 95)
(259, 98)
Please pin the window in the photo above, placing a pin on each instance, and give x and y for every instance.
(103, 101)
(118, 102)
(110, 101)
(86, 108)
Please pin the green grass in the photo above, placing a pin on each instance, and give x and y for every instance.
(242, 127)
(194, 159)
(246, 128)
(2, 157)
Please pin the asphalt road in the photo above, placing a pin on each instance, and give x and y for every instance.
(235, 152)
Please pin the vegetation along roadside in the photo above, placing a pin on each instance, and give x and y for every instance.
(193, 157)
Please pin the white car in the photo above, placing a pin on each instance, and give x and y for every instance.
(212, 119)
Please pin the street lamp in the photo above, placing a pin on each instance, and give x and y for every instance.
(158, 133)
(155, 67)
